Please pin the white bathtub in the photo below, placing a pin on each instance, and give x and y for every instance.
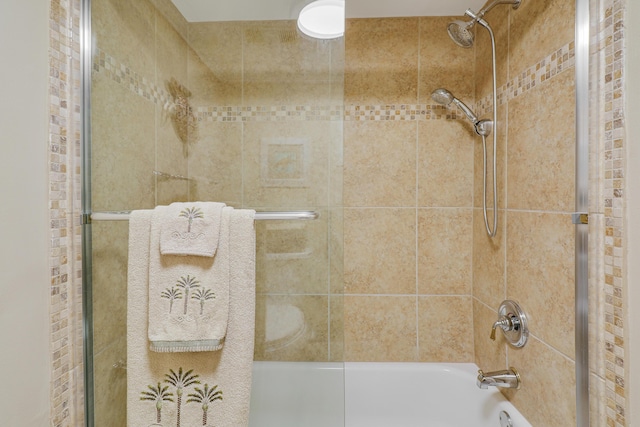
(374, 395)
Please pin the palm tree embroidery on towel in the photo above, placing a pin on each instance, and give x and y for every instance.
(180, 381)
(203, 295)
(187, 284)
(190, 214)
(171, 294)
(205, 397)
(158, 395)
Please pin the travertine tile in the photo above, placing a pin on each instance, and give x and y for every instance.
(109, 284)
(215, 163)
(215, 63)
(110, 385)
(498, 19)
(126, 30)
(283, 68)
(379, 251)
(442, 63)
(489, 355)
(541, 147)
(170, 12)
(380, 329)
(285, 164)
(539, 366)
(292, 328)
(444, 328)
(537, 28)
(170, 44)
(489, 259)
(291, 256)
(336, 250)
(381, 61)
(336, 322)
(380, 164)
(122, 150)
(540, 274)
(172, 159)
(445, 239)
(445, 163)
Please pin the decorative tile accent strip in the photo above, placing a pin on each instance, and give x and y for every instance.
(269, 113)
(553, 64)
(400, 112)
(67, 395)
(123, 74)
(611, 84)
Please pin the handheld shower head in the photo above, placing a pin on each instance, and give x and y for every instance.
(444, 97)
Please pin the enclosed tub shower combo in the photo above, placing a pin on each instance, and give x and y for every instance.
(291, 222)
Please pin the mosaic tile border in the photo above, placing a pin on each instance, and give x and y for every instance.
(120, 73)
(560, 60)
(611, 85)
(67, 394)
(272, 113)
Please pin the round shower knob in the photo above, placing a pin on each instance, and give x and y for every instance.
(512, 320)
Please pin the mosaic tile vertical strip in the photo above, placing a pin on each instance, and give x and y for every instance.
(612, 86)
(64, 202)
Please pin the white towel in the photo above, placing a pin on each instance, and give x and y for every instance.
(190, 228)
(154, 379)
(188, 295)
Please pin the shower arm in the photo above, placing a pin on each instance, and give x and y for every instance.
(479, 15)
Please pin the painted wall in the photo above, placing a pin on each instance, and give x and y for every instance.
(24, 272)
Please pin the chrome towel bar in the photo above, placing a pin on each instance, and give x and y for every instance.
(260, 216)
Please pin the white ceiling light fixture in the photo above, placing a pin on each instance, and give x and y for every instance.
(322, 19)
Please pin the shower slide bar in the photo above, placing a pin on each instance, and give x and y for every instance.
(260, 216)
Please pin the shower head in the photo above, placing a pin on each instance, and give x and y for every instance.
(461, 33)
(444, 97)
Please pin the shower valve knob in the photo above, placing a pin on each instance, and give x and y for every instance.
(513, 322)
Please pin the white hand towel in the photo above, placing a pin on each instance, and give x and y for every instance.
(188, 295)
(190, 228)
(189, 389)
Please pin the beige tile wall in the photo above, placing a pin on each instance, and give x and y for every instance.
(408, 194)
(401, 188)
(531, 260)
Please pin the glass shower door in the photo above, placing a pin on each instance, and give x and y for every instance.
(243, 111)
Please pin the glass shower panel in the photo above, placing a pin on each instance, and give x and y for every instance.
(248, 113)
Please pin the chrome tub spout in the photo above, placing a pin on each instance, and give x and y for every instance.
(509, 378)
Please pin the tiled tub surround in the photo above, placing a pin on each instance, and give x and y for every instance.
(413, 197)
(531, 259)
(483, 306)
(418, 277)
